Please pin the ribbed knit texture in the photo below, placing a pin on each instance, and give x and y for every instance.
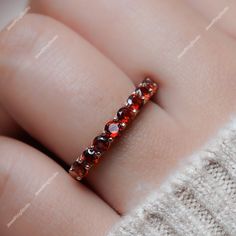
(199, 200)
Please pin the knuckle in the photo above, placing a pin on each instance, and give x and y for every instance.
(20, 43)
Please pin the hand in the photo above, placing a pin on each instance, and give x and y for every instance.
(63, 78)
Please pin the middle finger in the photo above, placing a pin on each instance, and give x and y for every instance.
(169, 40)
(64, 97)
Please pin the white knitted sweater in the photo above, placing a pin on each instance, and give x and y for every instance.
(200, 200)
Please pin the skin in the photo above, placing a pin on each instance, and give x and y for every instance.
(64, 97)
(8, 126)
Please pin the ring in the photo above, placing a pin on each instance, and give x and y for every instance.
(113, 129)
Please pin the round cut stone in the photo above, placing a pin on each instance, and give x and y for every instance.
(101, 143)
(113, 128)
(135, 102)
(143, 93)
(78, 171)
(150, 85)
(89, 157)
(125, 114)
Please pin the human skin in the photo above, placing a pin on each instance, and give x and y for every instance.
(63, 99)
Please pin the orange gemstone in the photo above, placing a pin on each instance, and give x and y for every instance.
(125, 114)
(113, 128)
(135, 102)
(78, 171)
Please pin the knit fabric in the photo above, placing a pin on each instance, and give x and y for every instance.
(199, 200)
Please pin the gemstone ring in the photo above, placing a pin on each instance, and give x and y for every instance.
(113, 129)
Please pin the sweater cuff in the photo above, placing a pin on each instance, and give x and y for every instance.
(200, 199)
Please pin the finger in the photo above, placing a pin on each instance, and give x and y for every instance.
(8, 126)
(169, 40)
(37, 197)
(220, 13)
(64, 98)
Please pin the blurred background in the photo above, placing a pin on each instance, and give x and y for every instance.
(9, 10)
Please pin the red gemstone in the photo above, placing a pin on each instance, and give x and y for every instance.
(89, 157)
(143, 93)
(150, 85)
(125, 114)
(101, 143)
(135, 102)
(113, 128)
(78, 171)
